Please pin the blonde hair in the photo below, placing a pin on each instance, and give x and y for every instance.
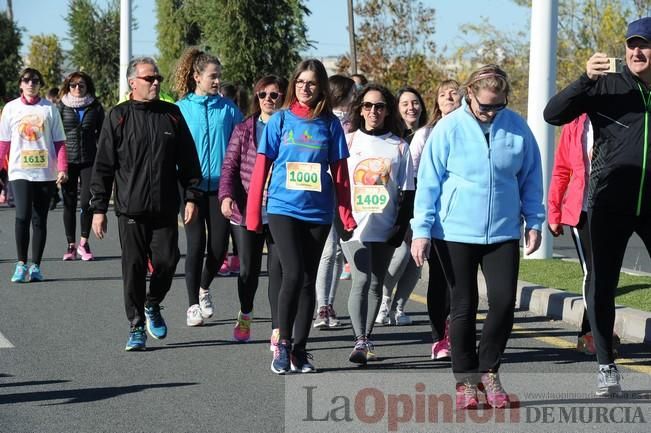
(490, 77)
(191, 61)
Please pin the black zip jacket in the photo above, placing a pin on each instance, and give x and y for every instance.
(81, 137)
(618, 106)
(146, 148)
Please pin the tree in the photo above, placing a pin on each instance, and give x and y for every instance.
(95, 37)
(395, 45)
(10, 60)
(176, 31)
(45, 54)
(254, 37)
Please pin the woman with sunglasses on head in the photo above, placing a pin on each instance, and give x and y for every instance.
(470, 209)
(82, 116)
(382, 181)
(211, 119)
(302, 141)
(31, 132)
(342, 93)
(233, 190)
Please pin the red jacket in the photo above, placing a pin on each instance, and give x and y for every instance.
(238, 165)
(569, 176)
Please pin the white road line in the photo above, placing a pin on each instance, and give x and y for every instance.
(4, 343)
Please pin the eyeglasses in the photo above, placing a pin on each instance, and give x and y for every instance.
(33, 80)
(272, 95)
(309, 84)
(75, 85)
(379, 106)
(151, 78)
(485, 108)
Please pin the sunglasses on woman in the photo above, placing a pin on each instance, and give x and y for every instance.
(379, 106)
(485, 108)
(272, 95)
(33, 80)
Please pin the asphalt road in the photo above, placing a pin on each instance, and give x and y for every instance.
(68, 372)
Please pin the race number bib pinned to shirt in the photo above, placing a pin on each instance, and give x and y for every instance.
(370, 198)
(305, 176)
(31, 159)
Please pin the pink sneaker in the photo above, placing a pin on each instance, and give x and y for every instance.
(275, 338)
(84, 251)
(225, 270)
(71, 253)
(235, 265)
(441, 349)
(150, 266)
(491, 386)
(467, 396)
(242, 329)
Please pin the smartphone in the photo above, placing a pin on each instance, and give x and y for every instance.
(616, 65)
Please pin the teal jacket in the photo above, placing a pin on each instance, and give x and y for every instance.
(211, 120)
(477, 190)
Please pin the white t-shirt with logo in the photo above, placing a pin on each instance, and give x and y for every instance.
(32, 131)
(379, 167)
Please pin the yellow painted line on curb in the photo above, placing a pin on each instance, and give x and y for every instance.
(552, 341)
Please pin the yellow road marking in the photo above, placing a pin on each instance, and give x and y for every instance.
(552, 341)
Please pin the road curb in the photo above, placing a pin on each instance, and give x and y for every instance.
(630, 324)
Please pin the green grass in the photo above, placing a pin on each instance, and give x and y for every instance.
(632, 291)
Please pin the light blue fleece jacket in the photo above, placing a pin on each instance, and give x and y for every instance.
(211, 120)
(474, 191)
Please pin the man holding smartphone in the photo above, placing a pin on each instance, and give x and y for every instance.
(619, 107)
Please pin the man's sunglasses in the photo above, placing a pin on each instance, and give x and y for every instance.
(485, 108)
(272, 95)
(151, 78)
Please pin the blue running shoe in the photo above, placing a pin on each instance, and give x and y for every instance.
(137, 339)
(280, 363)
(35, 274)
(155, 323)
(20, 274)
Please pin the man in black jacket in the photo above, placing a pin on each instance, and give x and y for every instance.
(618, 105)
(145, 148)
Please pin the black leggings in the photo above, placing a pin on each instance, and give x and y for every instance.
(609, 234)
(299, 246)
(32, 200)
(581, 237)
(210, 217)
(250, 254)
(77, 174)
(500, 265)
(438, 296)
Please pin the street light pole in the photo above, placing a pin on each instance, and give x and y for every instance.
(351, 38)
(125, 45)
(542, 86)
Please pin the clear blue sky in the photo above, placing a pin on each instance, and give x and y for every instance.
(327, 26)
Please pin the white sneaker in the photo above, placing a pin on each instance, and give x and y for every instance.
(383, 315)
(206, 305)
(194, 316)
(401, 318)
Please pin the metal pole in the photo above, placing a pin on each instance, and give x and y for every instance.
(125, 45)
(10, 10)
(351, 38)
(542, 86)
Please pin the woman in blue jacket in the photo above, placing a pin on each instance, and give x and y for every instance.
(471, 210)
(211, 119)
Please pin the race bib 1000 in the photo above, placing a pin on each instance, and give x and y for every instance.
(305, 176)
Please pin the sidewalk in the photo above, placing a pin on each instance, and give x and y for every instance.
(630, 324)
